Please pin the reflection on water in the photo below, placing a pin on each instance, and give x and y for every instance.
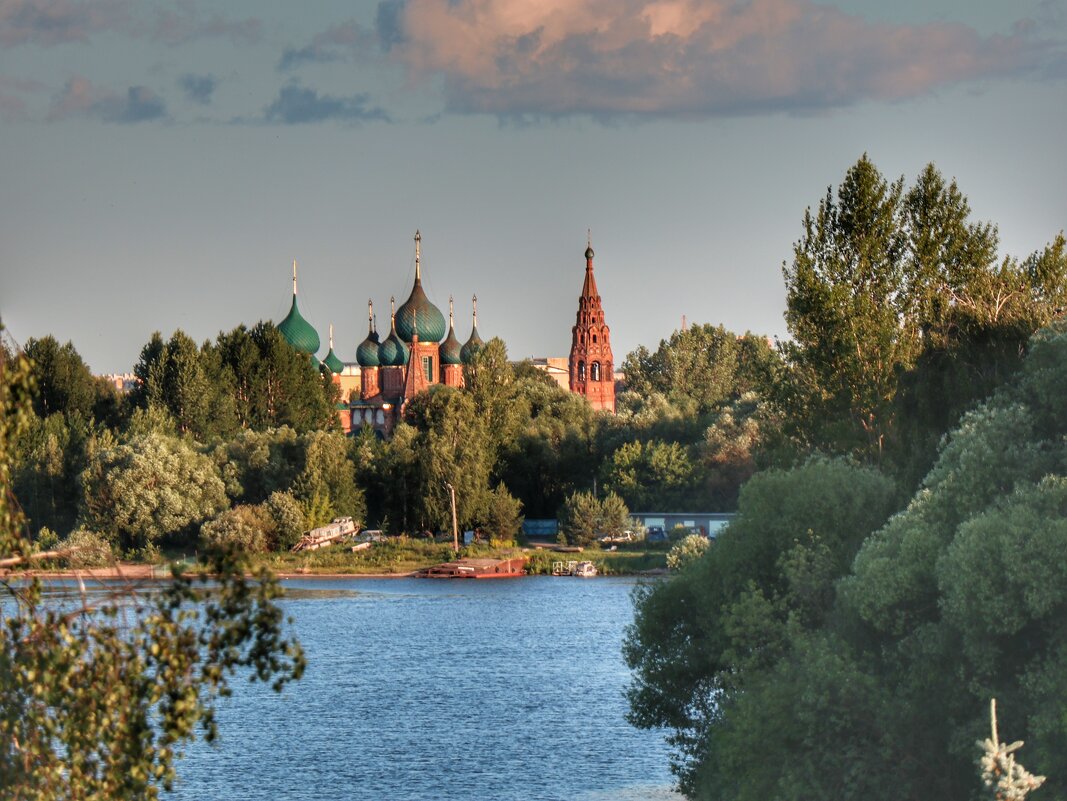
(419, 690)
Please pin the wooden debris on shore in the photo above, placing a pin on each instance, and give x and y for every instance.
(339, 528)
(476, 569)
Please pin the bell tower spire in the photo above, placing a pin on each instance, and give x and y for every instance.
(591, 363)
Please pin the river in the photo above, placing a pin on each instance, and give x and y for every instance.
(506, 690)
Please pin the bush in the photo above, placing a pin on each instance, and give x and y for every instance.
(90, 549)
(289, 520)
(250, 528)
(687, 551)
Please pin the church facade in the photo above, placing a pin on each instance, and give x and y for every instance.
(419, 352)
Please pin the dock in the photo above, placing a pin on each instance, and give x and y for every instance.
(476, 569)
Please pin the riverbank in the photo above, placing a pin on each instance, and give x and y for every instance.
(395, 558)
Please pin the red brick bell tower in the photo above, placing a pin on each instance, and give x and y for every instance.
(592, 366)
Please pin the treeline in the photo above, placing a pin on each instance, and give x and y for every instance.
(903, 556)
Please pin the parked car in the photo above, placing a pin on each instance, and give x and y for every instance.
(615, 539)
(656, 534)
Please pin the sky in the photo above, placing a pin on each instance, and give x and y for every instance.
(162, 164)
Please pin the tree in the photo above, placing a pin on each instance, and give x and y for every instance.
(651, 475)
(328, 479)
(248, 528)
(94, 704)
(62, 380)
(149, 488)
(190, 384)
(884, 280)
(583, 517)
(700, 640)
(451, 445)
(273, 384)
(701, 367)
(503, 515)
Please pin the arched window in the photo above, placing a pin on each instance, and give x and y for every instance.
(594, 339)
(581, 371)
(594, 371)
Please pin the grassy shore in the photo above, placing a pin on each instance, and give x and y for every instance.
(404, 555)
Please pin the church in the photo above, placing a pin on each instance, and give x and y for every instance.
(418, 353)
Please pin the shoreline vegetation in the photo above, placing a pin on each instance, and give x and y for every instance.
(401, 557)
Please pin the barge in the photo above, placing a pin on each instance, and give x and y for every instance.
(476, 569)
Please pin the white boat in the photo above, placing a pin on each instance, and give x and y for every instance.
(585, 570)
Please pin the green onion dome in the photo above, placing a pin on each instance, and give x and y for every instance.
(472, 346)
(332, 363)
(298, 331)
(367, 352)
(393, 352)
(450, 348)
(417, 314)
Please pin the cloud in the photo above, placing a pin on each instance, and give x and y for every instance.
(296, 105)
(80, 98)
(184, 23)
(198, 88)
(54, 22)
(13, 93)
(697, 58)
(333, 44)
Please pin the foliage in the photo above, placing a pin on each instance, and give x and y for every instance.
(149, 488)
(503, 515)
(86, 549)
(328, 474)
(686, 551)
(95, 703)
(287, 516)
(451, 445)
(651, 475)
(889, 638)
(701, 367)
(244, 527)
(770, 571)
(884, 276)
(273, 384)
(188, 383)
(583, 517)
(65, 385)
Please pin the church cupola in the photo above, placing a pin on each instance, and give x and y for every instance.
(331, 362)
(431, 323)
(592, 367)
(393, 352)
(367, 352)
(450, 348)
(474, 342)
(297, 331)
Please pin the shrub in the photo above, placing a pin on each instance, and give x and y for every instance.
(250, 528)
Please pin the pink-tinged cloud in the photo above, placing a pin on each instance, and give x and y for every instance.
(183, 22)
(80, 98)
(13, 93)
(53, 22)
(686, 57)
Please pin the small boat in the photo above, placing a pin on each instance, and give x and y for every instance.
(585, 570)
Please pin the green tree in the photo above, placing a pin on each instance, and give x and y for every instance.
(702, 367)
(63, 382)
(451, 446)
(329, 478)
(701, 639)
(272, 384)
(96, 704)
(248, 528)
(503, 515)
(583, 517)
(149, 488)
(190, 384)
(651, 475)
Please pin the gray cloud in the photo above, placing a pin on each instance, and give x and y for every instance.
(336, 43)
(80, 98)
(54, 22)
(198, 88)
(297, 105)
(617, 59)
(184, 23)
(13, 93)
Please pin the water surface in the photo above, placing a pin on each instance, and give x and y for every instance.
(423, 689)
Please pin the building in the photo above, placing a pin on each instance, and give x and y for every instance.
(417, 354)
(591, 364)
